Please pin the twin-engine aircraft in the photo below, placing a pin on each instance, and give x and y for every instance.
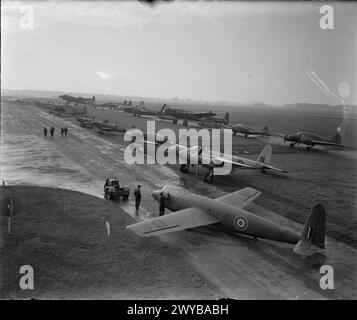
(76, 100)
(310, 139)
(247, 131)
(196, 156)
(191, 210)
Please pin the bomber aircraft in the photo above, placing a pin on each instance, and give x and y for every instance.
(107, 127)
(310, 139)
(191, 210)
(247, 131)
(76, 100)
(86, 121)
(195, 155)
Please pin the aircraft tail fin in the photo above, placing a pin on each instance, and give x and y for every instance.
(163, 109)
(265, 129)
(265, 155)
(313, 236)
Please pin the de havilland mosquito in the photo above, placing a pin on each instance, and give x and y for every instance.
(192, 210)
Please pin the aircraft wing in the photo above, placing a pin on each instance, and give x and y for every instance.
(240, 198)
(179, 220)
(326, 143)
(234, 163)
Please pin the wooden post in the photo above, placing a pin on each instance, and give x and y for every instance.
(11, 214)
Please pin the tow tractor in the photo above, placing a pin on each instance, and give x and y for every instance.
(113, 190)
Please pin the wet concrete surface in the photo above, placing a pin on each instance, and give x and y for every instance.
(239, 267)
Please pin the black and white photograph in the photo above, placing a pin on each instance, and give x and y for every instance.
(201, 151)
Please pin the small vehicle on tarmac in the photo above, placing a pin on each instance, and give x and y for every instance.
(113, 190)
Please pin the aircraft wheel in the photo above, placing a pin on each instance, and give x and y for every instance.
(245, 136)
(174, 121)
(185, 123)
(291, 145)
(184, 168)
(263, 171)
(308, 148)
(208, 177)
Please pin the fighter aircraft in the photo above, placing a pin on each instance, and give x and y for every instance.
(310, 139)
(191, 210)
(196, 155)
(175, 114)
(242, 128)
(76, 100)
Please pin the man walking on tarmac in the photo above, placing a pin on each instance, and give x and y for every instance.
(137, 195)
(162, 204)
(52, 131)
(45, 132)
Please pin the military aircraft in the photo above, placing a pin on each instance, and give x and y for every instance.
(243, 129)
(191, 210)
(107, 127)
(76, 100)
(109, 105)
(175, 114)
(310, 139)
(196, 155)
(86, 121)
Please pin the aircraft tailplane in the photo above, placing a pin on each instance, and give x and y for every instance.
(265, 155)
(313, 236)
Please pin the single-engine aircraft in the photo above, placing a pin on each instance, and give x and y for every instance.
(310, 139)
(247, 131)
(76, 100)
(192, 210)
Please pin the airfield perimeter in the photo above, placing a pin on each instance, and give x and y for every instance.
(237, 267)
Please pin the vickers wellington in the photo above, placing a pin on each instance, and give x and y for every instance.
(191, 210)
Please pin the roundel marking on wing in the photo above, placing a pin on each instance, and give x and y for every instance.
(241, 223)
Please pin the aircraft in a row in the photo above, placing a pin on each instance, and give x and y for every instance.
(77, 100)
(311, 139)
(192, 210)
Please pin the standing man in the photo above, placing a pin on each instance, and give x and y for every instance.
(52, 131)
(45, 132)
(162, 204)
(62, 132)
(65, 130)
(137, 195)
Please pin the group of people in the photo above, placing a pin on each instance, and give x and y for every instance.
(162, 199)
(64, 132)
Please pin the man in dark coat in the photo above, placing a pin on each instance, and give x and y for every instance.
(137, 195)
(52, 131)
(45, 132)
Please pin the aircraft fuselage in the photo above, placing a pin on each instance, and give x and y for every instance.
(232, 218)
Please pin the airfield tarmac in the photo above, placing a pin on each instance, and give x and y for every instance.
(238, 267)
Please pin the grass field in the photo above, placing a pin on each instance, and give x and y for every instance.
(61, 234)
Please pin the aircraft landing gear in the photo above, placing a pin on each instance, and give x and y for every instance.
(184, 168)
(174, 121)
(208, 177)
(245, 136)
(263, 170)
(308, 148)
(185, 123)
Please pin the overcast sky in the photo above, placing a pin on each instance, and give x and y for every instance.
(236, 51)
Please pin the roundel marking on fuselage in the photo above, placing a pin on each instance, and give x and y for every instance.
(241, 223)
